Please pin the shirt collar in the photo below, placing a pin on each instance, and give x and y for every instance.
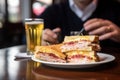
(87, 11)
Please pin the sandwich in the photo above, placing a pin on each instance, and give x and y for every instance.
(74, 49)
(82, 43)
(81, 49)
(49, 53)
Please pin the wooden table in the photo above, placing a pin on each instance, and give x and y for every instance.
(26, 69)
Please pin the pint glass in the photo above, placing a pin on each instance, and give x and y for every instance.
(33, 28)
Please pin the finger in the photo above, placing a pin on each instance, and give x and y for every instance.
(48, 36)
(50, 33)
(96, 25)
(106, 36)
(93, 26)
(49, 39)
(56, 30)
(44, 43)
(91, 21)
(100, 31)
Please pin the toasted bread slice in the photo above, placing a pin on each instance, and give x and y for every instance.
(49, 50)
(90, 38)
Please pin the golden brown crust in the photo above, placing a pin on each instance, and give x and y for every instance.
(49, 49)
(92, 38)
(56, 47)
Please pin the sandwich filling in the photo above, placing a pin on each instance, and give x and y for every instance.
(48, 53)
(50, 57)
(82, 57)
(79, 45)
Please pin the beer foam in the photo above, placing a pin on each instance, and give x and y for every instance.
(33, 22)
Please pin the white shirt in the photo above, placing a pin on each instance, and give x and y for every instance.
(87, 11)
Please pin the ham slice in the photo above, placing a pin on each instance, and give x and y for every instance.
(49, 57)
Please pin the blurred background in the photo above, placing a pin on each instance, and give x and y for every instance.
(12, 15)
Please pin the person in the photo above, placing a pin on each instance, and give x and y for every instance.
(97, 17)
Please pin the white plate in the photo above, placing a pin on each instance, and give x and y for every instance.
(104, 58)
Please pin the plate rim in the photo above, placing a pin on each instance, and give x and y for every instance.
(111, 58)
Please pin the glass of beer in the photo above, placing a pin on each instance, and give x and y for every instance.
(33, 29)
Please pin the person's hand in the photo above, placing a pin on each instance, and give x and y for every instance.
(50, 36)
(104, 28)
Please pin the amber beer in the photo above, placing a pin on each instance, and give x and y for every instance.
(34, 28)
